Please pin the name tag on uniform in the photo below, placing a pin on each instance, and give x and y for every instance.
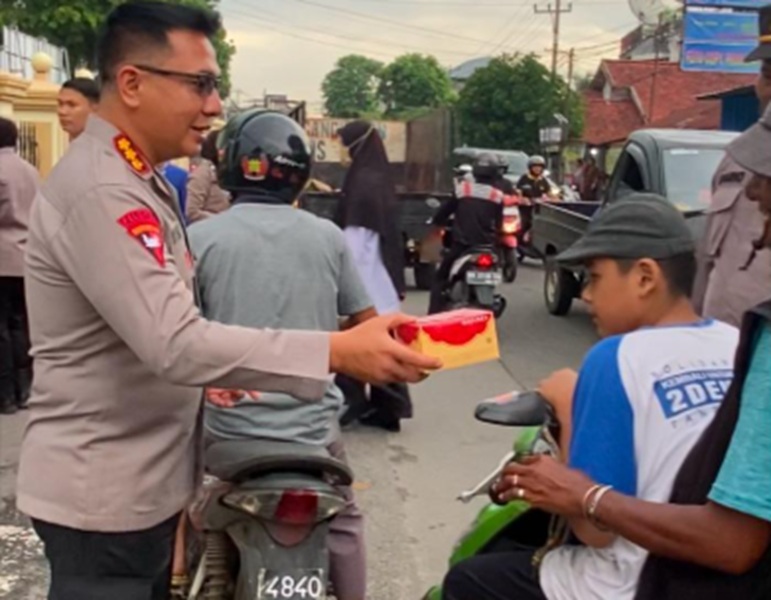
(735, 177)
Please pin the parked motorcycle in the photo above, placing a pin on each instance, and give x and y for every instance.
(265, 520)
(508, 241)
(514, 525)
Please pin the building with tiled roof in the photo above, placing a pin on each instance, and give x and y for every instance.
(629, 94)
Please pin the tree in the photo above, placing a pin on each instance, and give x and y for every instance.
(74, 25)
(350, 88)
(506, 103)
(414, 81)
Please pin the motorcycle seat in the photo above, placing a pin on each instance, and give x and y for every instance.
(239, 460)
(526, 409)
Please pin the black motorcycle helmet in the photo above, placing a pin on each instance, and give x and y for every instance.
(488, 166)
(266, 153)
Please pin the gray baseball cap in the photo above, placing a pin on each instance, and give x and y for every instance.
(752, 149)
(639, 226)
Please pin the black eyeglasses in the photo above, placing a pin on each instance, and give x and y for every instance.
(204, 83)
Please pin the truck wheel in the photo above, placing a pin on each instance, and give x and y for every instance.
(559, 289)
(424, 275)
(509, 265)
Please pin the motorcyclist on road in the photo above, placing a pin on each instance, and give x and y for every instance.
(304, 275)
(532, 186)
(477, 208)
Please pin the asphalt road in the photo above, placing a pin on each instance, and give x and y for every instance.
(406, 482)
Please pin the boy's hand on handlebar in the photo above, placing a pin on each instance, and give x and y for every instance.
(370, 353)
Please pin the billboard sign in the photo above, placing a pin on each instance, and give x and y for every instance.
(723, 58)
(718, 40)
(756, 4)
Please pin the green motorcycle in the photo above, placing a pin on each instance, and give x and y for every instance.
(500, 528)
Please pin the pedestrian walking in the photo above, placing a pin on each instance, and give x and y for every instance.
(368, 214)
(19, 183)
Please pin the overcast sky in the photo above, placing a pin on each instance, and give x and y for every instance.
(288, 46)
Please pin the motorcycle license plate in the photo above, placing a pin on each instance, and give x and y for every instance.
(511, 211)
(292, 584)
(483, 277)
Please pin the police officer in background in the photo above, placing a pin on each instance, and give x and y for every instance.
(111, 453)
(726, 287)
(477, 212)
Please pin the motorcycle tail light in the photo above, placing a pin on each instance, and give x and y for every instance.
(297, 507)
(292, 507)
(511, 228)
(485, 261)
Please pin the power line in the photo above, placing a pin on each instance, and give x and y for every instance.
(516, 43)
(381, 20)
(614, 30)
(510, 33)
(327, 43)
(344, 37)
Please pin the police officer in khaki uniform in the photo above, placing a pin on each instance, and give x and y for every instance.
(19, 182)
(729, 287)
(109, 457)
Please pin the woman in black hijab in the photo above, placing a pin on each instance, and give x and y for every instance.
(368, 214)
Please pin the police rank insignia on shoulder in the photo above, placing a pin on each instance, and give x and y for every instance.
(131, 155)
(143, 226)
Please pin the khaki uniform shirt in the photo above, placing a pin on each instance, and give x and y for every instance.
(205, 197)
(734, 222)
(19, 182)
(120, 349)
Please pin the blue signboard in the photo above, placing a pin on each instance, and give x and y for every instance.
(728, 3)
(718, 40)
(725, 58)
(721, 27)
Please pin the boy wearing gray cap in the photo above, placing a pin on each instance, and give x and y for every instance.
(643, 397)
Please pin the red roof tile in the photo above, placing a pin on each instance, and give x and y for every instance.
(658, 86)
(608, 122)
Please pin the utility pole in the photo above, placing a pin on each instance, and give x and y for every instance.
(571, 62)
(555, 12)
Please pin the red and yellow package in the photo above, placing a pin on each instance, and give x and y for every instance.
(459, 338)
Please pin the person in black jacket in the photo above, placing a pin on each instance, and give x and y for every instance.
(533, 186)
(713, 541)
(477, 212)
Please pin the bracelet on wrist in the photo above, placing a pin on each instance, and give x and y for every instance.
(594, 503)
(587, 497)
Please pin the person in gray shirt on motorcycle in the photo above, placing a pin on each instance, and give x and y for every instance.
(264, 263)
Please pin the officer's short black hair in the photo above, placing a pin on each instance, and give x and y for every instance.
(84, 86)
(139, 27)
(9, 133)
